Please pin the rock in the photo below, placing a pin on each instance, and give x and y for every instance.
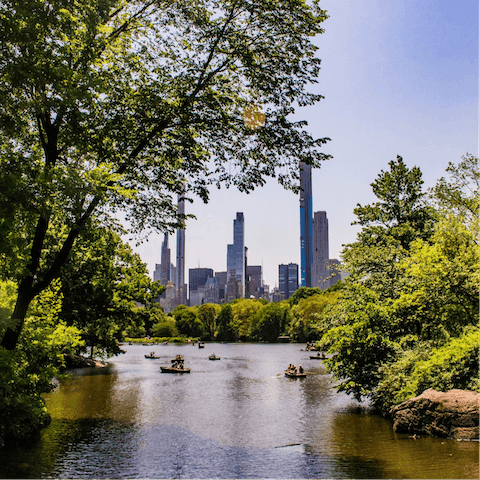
(452, 414)
(78, 361)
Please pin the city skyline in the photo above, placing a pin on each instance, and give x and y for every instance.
(398, 78)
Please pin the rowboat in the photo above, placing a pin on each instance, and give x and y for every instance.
(174, 370)
(294, 375)
(318, 357)
(152, 355)
(213, 357)
(201, 345)
(177, 359)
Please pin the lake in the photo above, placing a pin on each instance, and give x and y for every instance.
(238, 417)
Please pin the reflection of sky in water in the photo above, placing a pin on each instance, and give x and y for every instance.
(173, 452)
(234, 418)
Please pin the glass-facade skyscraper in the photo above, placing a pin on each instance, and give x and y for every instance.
(288, 279)
(236, 253)
(306, 221)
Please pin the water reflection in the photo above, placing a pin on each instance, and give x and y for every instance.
(234, 418)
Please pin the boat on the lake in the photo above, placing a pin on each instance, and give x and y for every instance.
(292, 372)
(318, 356)
(213, 357)
(151, 355)
(175, 369)
(294, 375)
(177, 366)
(201, 345)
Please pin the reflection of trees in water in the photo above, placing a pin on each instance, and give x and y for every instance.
(227, 414)
(364, 440)
(83, 406)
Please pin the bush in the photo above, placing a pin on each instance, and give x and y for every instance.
(165, 328)
(453, 365)
(27, 372)
(22, 408)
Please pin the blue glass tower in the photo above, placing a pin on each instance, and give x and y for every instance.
(306, 225)
(236, 253)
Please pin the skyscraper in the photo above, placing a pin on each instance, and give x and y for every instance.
(236, 253)
(181, 288)
(320, 271)
(306, 257)
(165, 265)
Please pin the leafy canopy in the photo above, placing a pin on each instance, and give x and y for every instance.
(116, 105)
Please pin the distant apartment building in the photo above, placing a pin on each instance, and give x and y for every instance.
(277, 295)
(197, 278)
(254, 281)
(288, 279)
(335, 274)
(211, 291)
(264, 292)
(233, 288)
(222, 285)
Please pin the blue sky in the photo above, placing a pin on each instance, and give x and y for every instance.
(399, 78)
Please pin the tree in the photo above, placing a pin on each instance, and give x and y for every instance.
(304, 292)
(102, 285)
(115, 105)
(389, 225)
(271, 321)
(439, 290)
(225, 327)
(243, 311)
(187, 323)
(207, 313)
(28, 372)
(413, 294)
(400, 210)
(306, 316)
(165, 328)
(460, 194)
(392, 343)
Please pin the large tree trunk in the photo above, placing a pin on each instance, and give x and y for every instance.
(24, 297)
(29, 288)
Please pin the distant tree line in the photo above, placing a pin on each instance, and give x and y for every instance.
(247, 319)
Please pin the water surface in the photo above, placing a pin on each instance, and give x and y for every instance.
(234, 418)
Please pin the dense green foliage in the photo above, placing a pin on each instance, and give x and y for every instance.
(28, 371)
(102, 285)
(407, 316)
(118, 105)
(111, 106)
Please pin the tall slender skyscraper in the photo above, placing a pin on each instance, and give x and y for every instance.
(236, 253)
(165, 268)
(181, 292)
(306, 219)
(320, 271)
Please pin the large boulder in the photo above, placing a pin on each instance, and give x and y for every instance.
(451, 414)
(79, 361)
